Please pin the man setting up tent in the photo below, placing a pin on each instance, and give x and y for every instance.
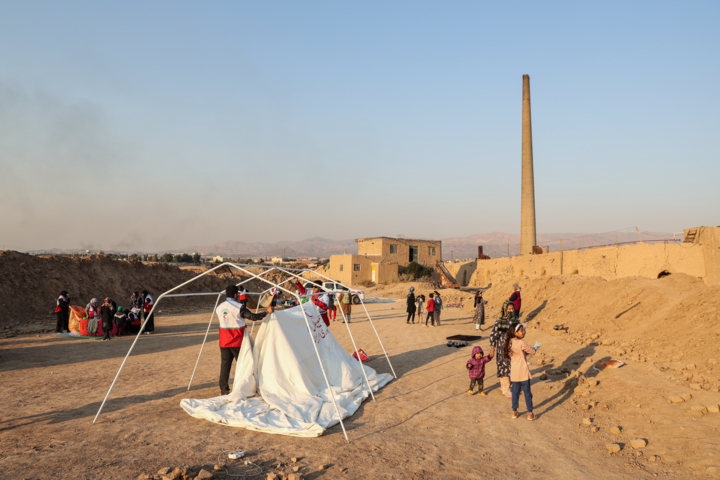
(232, 314)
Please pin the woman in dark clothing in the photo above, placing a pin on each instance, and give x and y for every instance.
(479, 317)
(516, 300)
(149, 317)
(107, 313)
(411, 305)
(62, 310)
(497, 343)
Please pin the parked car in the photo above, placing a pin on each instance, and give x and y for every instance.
(357, 295)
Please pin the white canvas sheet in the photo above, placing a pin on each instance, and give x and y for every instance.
(279, 387)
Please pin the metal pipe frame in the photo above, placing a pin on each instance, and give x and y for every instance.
(237, 267)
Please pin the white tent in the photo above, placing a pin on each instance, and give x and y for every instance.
(279, 385)
(253, 371)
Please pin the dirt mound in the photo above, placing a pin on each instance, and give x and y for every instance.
(672, 322)
(31, 284)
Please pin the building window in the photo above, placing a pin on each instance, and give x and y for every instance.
(393, 249)
(431, 251)
(341, 267)
(356, 267)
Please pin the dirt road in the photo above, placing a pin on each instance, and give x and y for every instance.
(423, 425)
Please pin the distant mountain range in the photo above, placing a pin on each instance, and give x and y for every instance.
(494, 244)
(310, 247)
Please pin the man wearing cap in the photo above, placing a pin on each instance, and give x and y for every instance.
(232, 314)
(516, 300)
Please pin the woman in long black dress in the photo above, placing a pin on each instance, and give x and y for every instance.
(497, 343)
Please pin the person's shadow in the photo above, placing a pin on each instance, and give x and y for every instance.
(570, 364)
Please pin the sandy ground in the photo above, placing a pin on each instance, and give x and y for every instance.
(422, 426)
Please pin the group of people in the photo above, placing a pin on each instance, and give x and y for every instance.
(509, 349)
(433, 307)
(327, 303)
(110, 315)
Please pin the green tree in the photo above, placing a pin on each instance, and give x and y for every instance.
(196, 258)
(417, 271)
(168, 257)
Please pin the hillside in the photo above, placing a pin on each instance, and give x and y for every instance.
(31, 284)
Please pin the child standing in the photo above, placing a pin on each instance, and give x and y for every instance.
(476, 370)
(430, 311)
(516, 351)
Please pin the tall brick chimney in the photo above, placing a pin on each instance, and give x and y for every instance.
(528, 238)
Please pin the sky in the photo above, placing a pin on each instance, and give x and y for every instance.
(162, 125)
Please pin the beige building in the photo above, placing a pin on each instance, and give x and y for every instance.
(382, 259)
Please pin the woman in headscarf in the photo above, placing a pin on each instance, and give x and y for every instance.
(497, 343)
(479, 317)
(411, 305)
(92, 309)
(107, 312)
(149, 317)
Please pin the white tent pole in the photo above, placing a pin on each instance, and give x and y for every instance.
(210, 324)
(378, 337)
(142, 327)
(204, 340)
(362, 367)
(327, 382)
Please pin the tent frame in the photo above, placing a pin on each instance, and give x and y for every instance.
(260, 277)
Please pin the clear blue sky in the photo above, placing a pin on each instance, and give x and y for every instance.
(152, 125)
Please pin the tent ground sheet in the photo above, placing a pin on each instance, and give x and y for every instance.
(279, 386)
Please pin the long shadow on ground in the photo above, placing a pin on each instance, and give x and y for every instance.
(89, 410)
(66, 351)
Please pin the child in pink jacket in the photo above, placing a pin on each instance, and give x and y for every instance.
(476, 370)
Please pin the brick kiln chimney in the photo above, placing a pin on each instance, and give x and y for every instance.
(528, 238)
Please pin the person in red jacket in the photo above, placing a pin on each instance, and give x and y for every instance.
(320, 299)
(232, 314)
(516, 300)
(430, 311)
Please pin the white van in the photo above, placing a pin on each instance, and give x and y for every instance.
(357, 295)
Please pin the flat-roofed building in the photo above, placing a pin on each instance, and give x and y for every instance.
(382, 259)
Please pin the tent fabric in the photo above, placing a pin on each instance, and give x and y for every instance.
(76, 314)
(279, 387)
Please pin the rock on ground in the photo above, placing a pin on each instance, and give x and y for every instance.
(616, 430)
(638, 443)
(204, 475)
(613, 447)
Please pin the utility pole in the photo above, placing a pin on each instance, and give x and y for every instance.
(638, 231)
(508, 250)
